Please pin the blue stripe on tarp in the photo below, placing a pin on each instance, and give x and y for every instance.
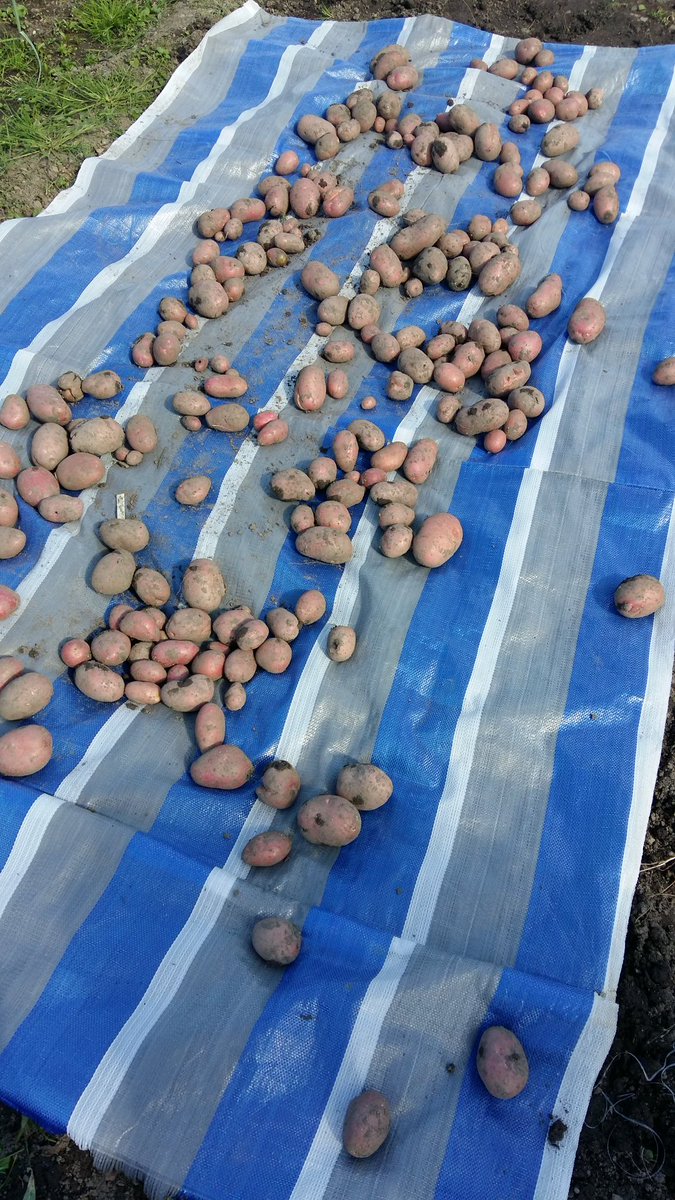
(548, 1019)
(15, 801)
(312, 1014)
(99, 981)
(564, 937)
(429, 687)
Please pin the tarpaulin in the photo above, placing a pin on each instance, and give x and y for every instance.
(519, 716)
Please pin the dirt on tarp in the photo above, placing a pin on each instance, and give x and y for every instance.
(627, 1147)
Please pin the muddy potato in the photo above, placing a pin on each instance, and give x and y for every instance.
(310, 388)
(506, 379)
(319, 280)
(546, 297)
(283, 624)
(578, 201)
(151, 587)
(227, 418)
(187, 694)
(292, 484)
(346, 491)
(396, 514)
(113, 573)
(25, 751)
(499, 274)
(225, 625)
(203, 585)
(310, 607)
(501, 1063)
(240, 666)
(341, 643)
(25, 696)
(664, 373)
(129, 534)
(267, 849)
(280, 785)
(524, 347)
(102, 385)
(305, 200)
(273, 433)
(193, 491)
(251, 633)
(459, 274)
(194, 625)
(587, 321)
(274, 656)
(516, 425)
(235, 697)
(328, 820)
(45, 403)
(225, 768)
(97, 435)
(447, 409)
(528, 400)
(390, 457)
(560, 140)
(302, 518)
(397, 491)
(363, 310)
(276, 940)
(606, 205)
(420, 460)
(396, 540)
(366, 1125)
(208, 299)
(437, 539)
(210, 727)
(99, 682)
(385, 347)
(638, 596)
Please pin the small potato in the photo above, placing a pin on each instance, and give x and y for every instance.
(273, 433)
(99, 682)
(396, 540)
(113, 573)
(664, 373)
(310, 389)
(525, 212)
(34, 484)
(364, 785)
(276, 940)
(187, 694)
(499, 274)
(280, 785)
(24, 696)
(367, 1124)
(638, 596)
(79, 471)
(9, 510)
(112, 647)
(385, 347)
(283, 624)
(151, 587)
(447, 409)
(578, 201)
(14, 412)
(341, 643)
(129, 534)
(193, 491)
(267, 849)
(528, 400)
(292, 484)
(331, 514)
(225, 768)
(25, 751)
(560, 140)
(235, 697)
(459, 274)
(310, 607)
(437, 539)
(141, 351)
(302, 518)
(606, 205)
(240, 666)
(328, 820)
(421, 460)
(524, 347)
(274, 656)
(546, 297)
(501, 1063)
(75, 651)
(210, 727)
(587, 321)
(103, 385)
(203, 585)
(494, 441)
(371, 476)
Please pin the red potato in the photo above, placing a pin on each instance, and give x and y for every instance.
(112, 647)
(45, 403)
(495, 441)
(546, 297)
(449, 377)
(11, 667)
(287, 163)
(141, 434)
(338, 202)
(98, 435)
(524, 347)
(587, 321)
(537, 182)
(99, 682)
(528, 400)
(235, 697)
(561, 173)
(364, 785)
(369, 435)
(501, 1063)
(225, 625)
(367, 1124)
(79, 471)
(397, 491)
(310, 607)
(48, 447)
(302, 518)
(420, 461)
(24, 696)
(137, 624)
(487, 142)
(276, 940)
(639, 596)
(409, 242)
(499, 274)
(227, 418)
(507, 378)
(371, 476)
(606, 205)
(203, 585)
(194, 625)
(396, 514)
(151, 587)
(516, 425)
(664, 373)
(240, 666)
(185, 694)
(251, 634)
(75, 651)
(292, 484)
(193, 491)
(280, 785)
(10, 601)
(14, 412)
(346, 491)
(310, 389)
(174, 653)
(505, 68)
(179, 674)
(25, 751)
(209, 663)
(338, 351)
(209, 727)
(253, 258)
(12, 542)
(328, 820)
(224, 768)
(337, 384)
(145, 671)
(325, 545)
(141, 351)
(267, 849)
(578, 201)
(508, 180)
(525, 212)
(387, 59)
(142, 693)
(437, 540)
(387, 263)
(117, 612)
(283, 624)
(208, 299)
(273, 433)
(274, 656)
(341, 643)
(498, 358)
(527, 49)
(319, 281)
(166, 348)
(331, 514)
(9, 510)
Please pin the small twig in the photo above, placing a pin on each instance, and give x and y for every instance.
(25, 38)
(665, 862)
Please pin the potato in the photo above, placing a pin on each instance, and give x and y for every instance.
(113, 573)
(14, 412)
(367, 1124)
(203, 585)
(310, 128)
(208, 299)
(387, 59)
(408, 243)
(459, 274)
(328, 820)
(276, 940)
(385, 347)
(74, 652)
(560, 140)
(251, 634)
(97, 435)
(448, 377)
(421, 460)
(341, 643)
(337, 384)
(515, 427)
(166, 347)
(49, 446)
(403, 78)
(25, 696)
(387, 263)
(240, 666)
(209, 662)
(606, 204)
(267, 849)
(12, 542)
(252, 257)
(525, 212)
(141, 434)
(209, 727)
(319, 280)
(396, 540)
(99, 682)
(141, 351)
(396, 514)
(151, 586)
(499, 274)
(187, 694)
(139, 625)
(129, 534)
(79, 471)
(416, 364)
(225, 625)
(280, 785)
(468, 359)
(524, 347)
(9, 509)
(10, 463)
(191, 403)
(331, 514)
(142, 692)
(397, 491)
(193, 491)
(227, 418)
(274, 432)
(528, 400)
(447, 409)
(505, 379)
(225, 768)
(546, 297)
(578, 201)
(310, 388)
(371, 476)
(102, 385)
(481, 417)
(501, 1063)
(508, 181)
(302, 518)
(174, 652)
(390, 457)
(310, 607)
(34, 484)
(487, 142)
(206, 251)
(274, 656)
(664, 373)
(527, 49)
(437, 539)
(346, 491)
(292, 484)
(235, 697)
(541, 112)
(333, 310)
(10, 601)
(587, 321)
(339, 351)
(505, 68)
(25, 751)
(10, 667)
(562, 174)
(283, 624)
(45, 403)
(638, 596)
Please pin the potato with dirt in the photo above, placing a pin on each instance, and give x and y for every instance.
(587, 321)
(292, 484)
(24, 696)
(437, 540)
(664, 373)
(203, 585)
(274, 656)
(223, 768)
(420, 461)
(276, 940)
(267, 849)
(25, 751)
(639, 596)
(367, 1124)
(499, 274)
(341, 643)
(501, 1063)
(328, 820)
(99, 682)
(364, 785)
(102, 385)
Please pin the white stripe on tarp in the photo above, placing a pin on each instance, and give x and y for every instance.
(174, 86)
(585, 1061)
(550, 422)
(160, 222)
(439, 850)
(26, 845)
(647, 756)
(351, 1078)
(70, 788)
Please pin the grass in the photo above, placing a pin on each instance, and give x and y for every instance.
(116, 22)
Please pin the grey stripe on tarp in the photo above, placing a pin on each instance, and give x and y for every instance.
(113, 179)
(484, 899)
(159, 1116)
(49, 905)
(440, 1002)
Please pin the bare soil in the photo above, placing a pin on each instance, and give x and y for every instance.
(627, 1149)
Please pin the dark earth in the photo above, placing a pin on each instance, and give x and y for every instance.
(627, 1147)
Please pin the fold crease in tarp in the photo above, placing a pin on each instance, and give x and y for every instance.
(519, 716)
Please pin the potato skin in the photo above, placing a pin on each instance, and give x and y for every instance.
(365, 785)
(225, 768)
(664, 373)
(276, 940)
(279, 786)
(25, 696)
(311, 607)
(587, 321)
(367, 1124)
(325, 545)
(267, 849)
(341, 643)
(639, 596)
(501, 1063)
(25, 751)
(329, 821)
(438, 538)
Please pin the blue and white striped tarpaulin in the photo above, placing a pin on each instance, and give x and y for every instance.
(519, 716)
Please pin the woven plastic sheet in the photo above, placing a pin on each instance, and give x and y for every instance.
(519, 716)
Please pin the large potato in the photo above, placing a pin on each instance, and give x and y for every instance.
(481, 417)
(280, 785)
(224, 768)
(113, 573)
(437, 539)
(369, 436)
(329, 821)
(49, 445)
(276, 940)
(203, 585)
(129, 534)
(185, 695)
(324, 545)
(365, 785)
(45, 403)
(99, 682)
(97, 435)
(35, 483)
(507, 378)
(346, 491)
(25, 696)
(395, 491)
(560, 140)
(501, 1063)
(639, 596)
(292, 484)
(499, 274)
(367, 1124)
(319, 280)
(546, 297)
(25, 751)
(193, 625)
(79, 471)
